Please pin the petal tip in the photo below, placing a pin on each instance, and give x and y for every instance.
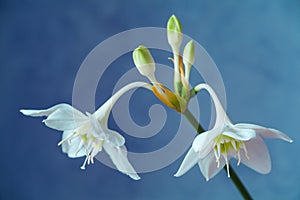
(24, 112)
(134, 177)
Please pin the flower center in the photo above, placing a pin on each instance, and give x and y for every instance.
(225, 146)
(91, 144)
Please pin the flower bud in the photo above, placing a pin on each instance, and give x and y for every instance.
(144, 62)
(189, 54)
(188, 59)
(174, 33)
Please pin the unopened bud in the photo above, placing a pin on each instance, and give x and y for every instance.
(144, 62)
(174, 33)
(189, 54)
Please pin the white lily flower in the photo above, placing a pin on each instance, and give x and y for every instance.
(213, 149)
(86, 135)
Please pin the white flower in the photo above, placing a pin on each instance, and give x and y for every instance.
(86, 135)
(213, 149)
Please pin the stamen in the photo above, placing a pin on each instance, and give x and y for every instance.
(92, 159)
(227, 164)
(233, 144)
(101, 145)
(92, 154)
(219, 150)
(246, 152)
(88, 147)
(67, 138)
(217, 158)
(95, 150)
(239, 158)
(79, 147)
(84, 163)
(89, 159)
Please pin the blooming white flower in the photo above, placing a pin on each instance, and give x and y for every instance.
(213, 149)
(86, 135)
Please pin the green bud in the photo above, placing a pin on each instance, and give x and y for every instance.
(189, 54)
(174, 33)
(144, 62)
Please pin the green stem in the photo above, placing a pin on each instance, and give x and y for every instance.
(233, 176)
(235, 179)
(193, 121)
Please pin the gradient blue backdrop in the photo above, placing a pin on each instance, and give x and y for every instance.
(42, 44)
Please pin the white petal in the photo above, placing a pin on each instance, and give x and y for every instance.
(266, 132)
(118, 156)
(100, 131)
(72, 149)
(65, 118)
(208, 165)
(188, 162)
(241, 134)
(60, 117)
(204, 142)
(45, 112)
(95, 128)
(115, 137)
(259, 157)
(221, 116)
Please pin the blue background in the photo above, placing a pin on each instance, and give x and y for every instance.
(42, 44)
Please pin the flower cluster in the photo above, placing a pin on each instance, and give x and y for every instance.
(87, 134)
(212, 149)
